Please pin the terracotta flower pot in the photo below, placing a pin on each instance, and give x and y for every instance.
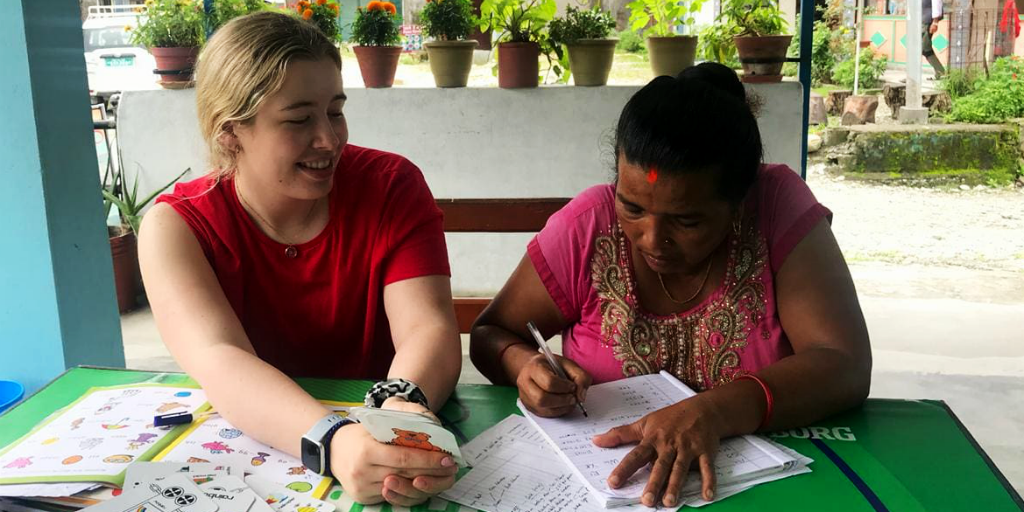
(762, 57)
(591, 60)
(672, 54)
(124, 252)
(175, 65)
(377, 64)
(517, 65)
(451, 61)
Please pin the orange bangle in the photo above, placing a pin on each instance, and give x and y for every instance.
(770, 401)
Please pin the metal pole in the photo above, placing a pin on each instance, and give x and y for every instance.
(856, 48)
(806, 39)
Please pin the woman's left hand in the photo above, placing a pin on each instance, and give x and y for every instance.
(407, 492)
(670, 439)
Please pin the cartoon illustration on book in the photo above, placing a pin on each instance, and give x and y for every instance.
(230, 433)
(411, 439)
(96, 436)
(260, 458)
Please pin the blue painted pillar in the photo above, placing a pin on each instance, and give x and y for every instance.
(57, 305)
(806, 44)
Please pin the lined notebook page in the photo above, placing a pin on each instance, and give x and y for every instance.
(622, 402)
(516, 470)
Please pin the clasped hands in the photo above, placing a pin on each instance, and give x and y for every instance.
(371, 471)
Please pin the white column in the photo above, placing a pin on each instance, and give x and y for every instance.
(912, 112)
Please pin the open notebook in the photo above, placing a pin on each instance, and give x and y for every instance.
(621, 402)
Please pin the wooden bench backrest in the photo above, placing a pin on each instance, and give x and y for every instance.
(492, 216)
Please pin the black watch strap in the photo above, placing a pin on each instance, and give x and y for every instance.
(328, 436)
(401, 388)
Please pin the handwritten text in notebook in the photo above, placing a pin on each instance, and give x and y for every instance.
(622, 402)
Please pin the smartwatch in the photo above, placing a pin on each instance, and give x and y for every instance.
(316, 444)
(401, 388)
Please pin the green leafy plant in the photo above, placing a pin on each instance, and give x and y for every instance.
(630, 42)
(996, 98)
(517, 21)
(447, 20)
(128, 205)
(715, 44)
(959, 82)
(322, 13)
(580, 24)
(657, 17)
(756, 18)
(376, 25)
(226, 10)
(171, 24)
(872, 66)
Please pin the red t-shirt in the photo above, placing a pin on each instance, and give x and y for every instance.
(321, 312)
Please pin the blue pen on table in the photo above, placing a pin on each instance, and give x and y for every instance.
(551, 359)
(180, 418)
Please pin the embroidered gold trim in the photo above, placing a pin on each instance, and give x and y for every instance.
(701, 348)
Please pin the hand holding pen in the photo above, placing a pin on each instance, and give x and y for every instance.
(554, 392)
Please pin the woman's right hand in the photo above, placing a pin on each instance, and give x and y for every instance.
(362, 464)
(544, 393)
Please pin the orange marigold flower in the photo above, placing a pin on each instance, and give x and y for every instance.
(321, 2)
(390, 7)
(307, 14)
(374, 5)
(334, 7)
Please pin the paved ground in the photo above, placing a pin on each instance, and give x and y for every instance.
(940, 276)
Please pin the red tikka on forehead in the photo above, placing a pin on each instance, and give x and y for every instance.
(652, 175)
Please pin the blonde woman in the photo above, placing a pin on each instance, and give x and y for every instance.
(301, 255)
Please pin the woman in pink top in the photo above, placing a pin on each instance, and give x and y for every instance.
(698, 260)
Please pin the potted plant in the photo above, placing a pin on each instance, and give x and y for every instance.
(670, 53)
(759, 41)
(123, 236)
(224, 11)
(173, 31)
(450, 54)
(521, 25)
(322, 13)
(585, 34)
(375, 32)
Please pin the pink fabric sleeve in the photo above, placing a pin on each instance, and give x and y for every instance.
(561, 251)
(789, 210)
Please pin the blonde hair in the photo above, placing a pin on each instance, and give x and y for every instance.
(243, 64)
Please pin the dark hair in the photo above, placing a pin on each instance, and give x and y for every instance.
(699, 121)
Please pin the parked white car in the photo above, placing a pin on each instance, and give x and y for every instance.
(113, 64)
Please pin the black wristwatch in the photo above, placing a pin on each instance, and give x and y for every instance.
(316, 444)
(401, 388)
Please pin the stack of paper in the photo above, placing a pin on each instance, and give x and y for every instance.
(539, 464)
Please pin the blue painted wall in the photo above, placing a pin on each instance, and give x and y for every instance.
(57, 305)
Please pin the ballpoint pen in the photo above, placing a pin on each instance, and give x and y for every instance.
(551, 359)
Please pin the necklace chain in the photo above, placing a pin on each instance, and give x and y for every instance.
(696, 293)
(249, 208)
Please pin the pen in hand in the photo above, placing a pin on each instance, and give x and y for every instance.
(551, 359)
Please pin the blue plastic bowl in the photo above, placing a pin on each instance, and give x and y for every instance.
(10, 393)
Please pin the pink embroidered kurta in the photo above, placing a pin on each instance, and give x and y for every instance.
(584, 260)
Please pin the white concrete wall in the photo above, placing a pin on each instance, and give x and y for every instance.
(475, 142)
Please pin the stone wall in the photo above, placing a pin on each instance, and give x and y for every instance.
(965, 153)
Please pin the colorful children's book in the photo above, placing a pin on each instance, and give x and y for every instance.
(97, 436)
(213, 439)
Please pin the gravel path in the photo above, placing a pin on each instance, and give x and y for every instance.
(980, 228)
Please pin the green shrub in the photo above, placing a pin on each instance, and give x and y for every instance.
(376, 25)
(580, 24)
(996, 98)
(631, 42)
(872, 66)
(450, 20)
(715, 44)
(959, 82)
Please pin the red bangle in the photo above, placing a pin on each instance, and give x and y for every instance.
(767, 396)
